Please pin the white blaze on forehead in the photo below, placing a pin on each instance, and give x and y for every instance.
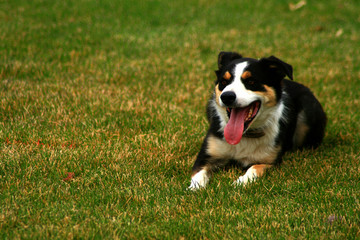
(243, 96)
(237, 84)
(239, 69)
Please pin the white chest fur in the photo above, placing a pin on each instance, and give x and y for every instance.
(262, 150)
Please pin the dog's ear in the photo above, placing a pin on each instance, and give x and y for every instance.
(278, 67)
(226, 57)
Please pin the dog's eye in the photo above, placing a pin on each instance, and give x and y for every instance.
(249, 81)
(224, 82)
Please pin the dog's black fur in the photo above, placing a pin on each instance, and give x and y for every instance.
(276, 115)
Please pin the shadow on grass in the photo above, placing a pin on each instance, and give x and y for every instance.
(335, 140)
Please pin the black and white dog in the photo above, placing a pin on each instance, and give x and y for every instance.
(255, 116)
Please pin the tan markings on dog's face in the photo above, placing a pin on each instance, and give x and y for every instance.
(269, 95)
(227, 75)
(246, 75)
(217, 94)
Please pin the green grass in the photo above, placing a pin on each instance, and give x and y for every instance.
(115, 92)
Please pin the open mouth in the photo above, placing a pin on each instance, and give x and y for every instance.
(240, 120)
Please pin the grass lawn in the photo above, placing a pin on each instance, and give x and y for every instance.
(102, 113)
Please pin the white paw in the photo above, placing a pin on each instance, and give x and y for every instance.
(194, 186)
(199, 180)
(248, 177)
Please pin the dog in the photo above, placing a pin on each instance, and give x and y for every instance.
(256, 114)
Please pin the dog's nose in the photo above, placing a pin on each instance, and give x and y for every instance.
(228, 98)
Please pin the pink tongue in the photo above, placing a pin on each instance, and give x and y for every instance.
(235, 127)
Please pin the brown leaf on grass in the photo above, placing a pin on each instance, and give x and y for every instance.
(318, 28)
(70, 175)
(339, 32)
(297, 6)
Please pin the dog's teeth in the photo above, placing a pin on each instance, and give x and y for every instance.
(250, 113)
(248, 117)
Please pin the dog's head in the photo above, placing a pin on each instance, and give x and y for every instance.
(246, 88)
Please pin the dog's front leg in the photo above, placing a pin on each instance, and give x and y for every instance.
(201, 171)
(252, 174)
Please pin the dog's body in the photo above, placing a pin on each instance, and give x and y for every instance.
(255, 116)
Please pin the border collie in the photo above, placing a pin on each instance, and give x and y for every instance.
(255, 116)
